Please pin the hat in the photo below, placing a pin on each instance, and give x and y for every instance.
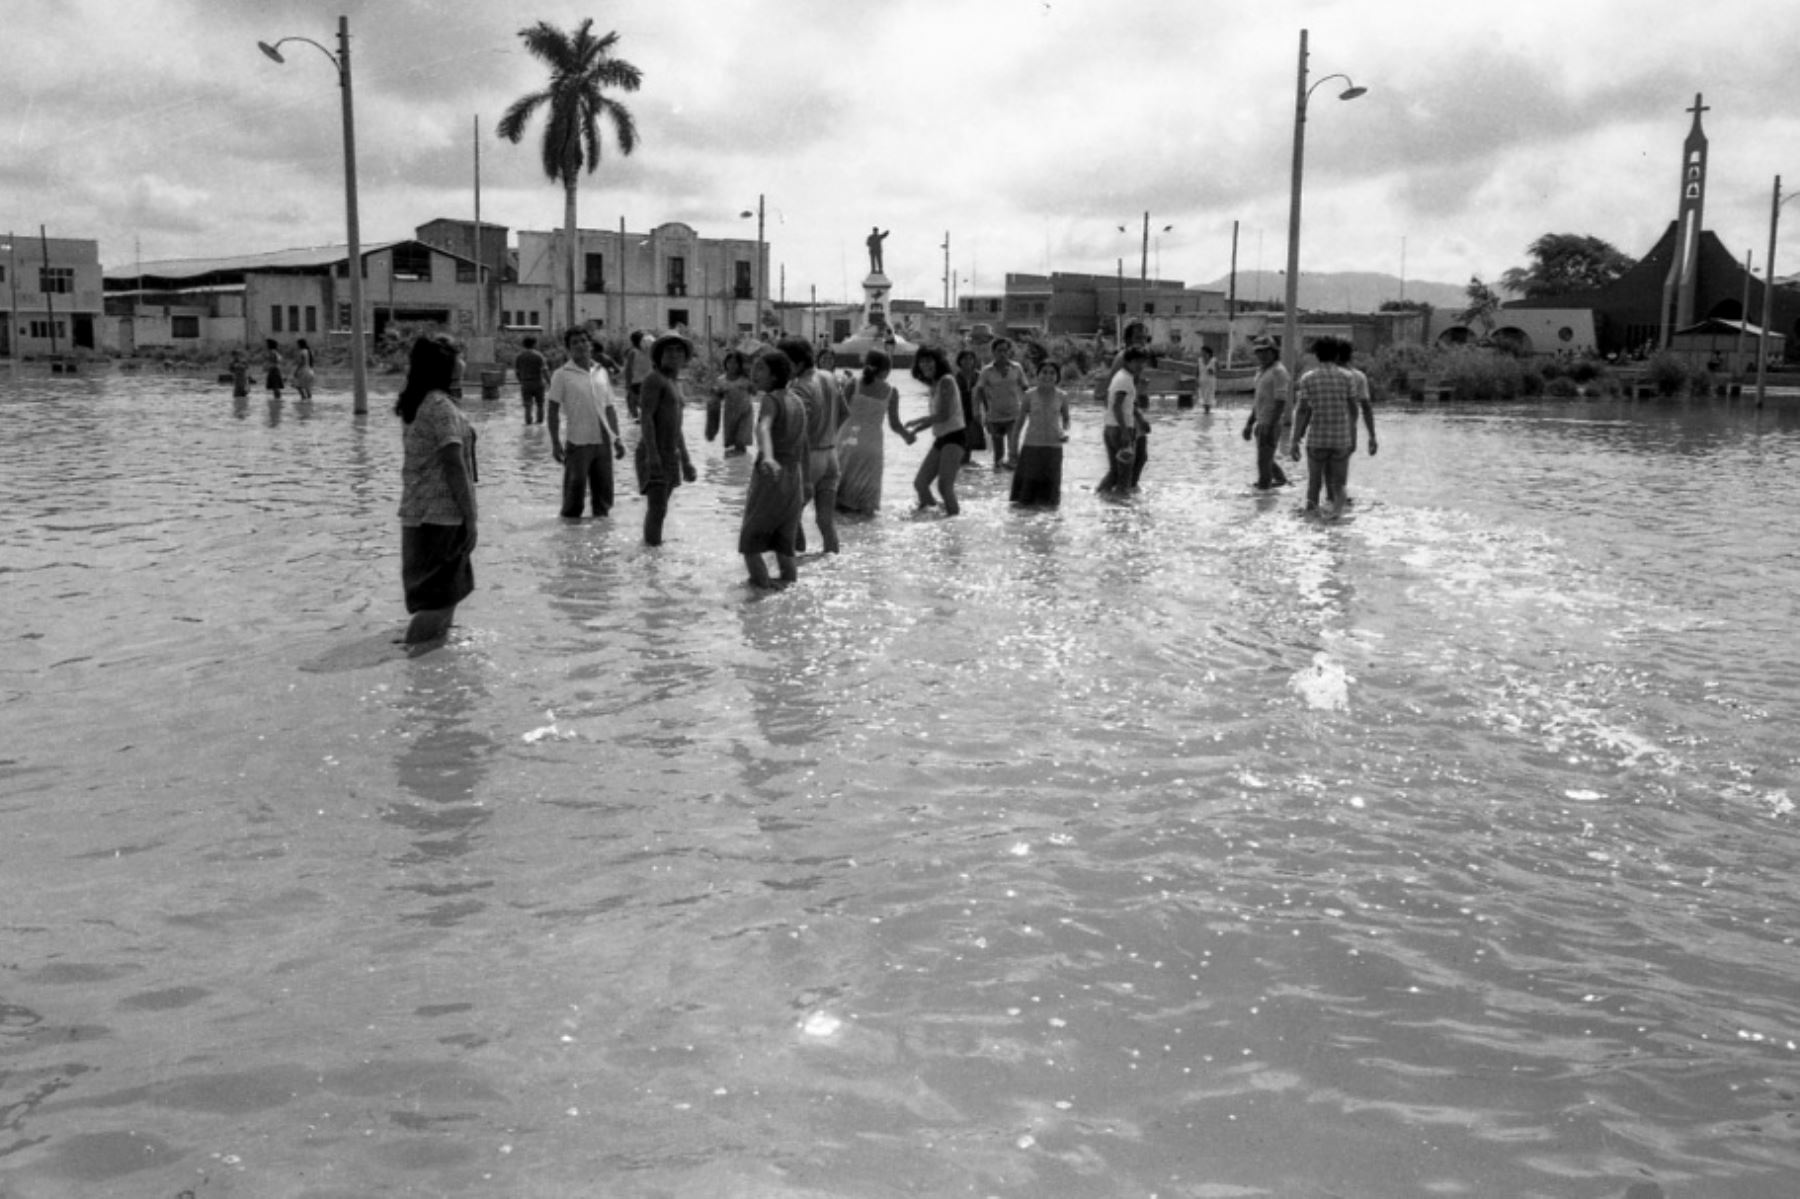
(981, 334)
(1265, 342)
(665, 341)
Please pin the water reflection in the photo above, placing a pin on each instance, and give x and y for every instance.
(1013, 851)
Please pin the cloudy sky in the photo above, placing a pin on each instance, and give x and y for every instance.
(1029, 130)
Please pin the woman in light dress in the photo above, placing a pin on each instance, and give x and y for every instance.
(873, 402)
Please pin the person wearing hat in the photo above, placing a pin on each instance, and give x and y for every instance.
(662, 450)
(1267, 411)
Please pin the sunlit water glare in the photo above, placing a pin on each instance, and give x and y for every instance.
(1172, 846)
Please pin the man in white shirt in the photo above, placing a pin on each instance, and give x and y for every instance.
(581, 392)
(1121, 433)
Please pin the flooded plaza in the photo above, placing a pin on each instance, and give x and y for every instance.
(1174, 846)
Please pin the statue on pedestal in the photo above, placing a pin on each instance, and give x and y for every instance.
(877, 235)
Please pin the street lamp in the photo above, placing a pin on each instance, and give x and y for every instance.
(762, 275)
(1768, 312)
(1290, 325)
(359, 371)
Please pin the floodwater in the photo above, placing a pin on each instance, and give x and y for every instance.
(1175, 846)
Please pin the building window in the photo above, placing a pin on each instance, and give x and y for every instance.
(742, 286)
(2, 272)
(465, 272)
(343, 316)
(533, 322)
(343, 269)
(185, 327)
(993, 305)
(312, 319)
(595, 280)
(412, 261)
(678, 276)
(41, 329)
(274, 318)
(293, 318)
(59, 280)
(1149, 309)
(1693, 191)
(678, 317)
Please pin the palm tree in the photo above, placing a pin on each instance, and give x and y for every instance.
(581, 68)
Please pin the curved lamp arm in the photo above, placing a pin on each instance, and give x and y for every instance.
(274, 51)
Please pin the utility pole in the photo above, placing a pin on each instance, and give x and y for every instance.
(44, 286)
(946, 268)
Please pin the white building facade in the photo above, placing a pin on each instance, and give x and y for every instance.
(667, 278)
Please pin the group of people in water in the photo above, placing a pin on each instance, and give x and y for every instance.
(818, 439)
(274, 364)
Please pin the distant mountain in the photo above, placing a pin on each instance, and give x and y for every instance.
(1341, 291)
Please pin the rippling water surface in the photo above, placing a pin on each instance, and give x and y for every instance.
(1174, 846)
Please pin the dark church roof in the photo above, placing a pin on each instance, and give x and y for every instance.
(1633, 302)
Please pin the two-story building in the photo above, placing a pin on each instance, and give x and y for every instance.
(215, 303)
(51, 294)
(667, 278)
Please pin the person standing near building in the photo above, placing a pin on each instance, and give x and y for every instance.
(637, 369)
(303, 369)
(580, 391)
(530, 367)
(1322, 416)
(272, 368)
(1268, 407)
(1209, 379)
(662, 454)
(1000, 393)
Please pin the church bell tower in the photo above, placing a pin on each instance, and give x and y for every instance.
(1684, 270)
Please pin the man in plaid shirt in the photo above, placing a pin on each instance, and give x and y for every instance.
(1325, 416)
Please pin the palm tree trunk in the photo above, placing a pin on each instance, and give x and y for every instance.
(569, 184)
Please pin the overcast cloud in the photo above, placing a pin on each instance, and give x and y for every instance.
(1028, 130)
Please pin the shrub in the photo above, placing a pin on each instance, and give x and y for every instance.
(1671, 375)
(1561, 388)
(1474, 374)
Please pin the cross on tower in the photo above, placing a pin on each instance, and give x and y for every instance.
(1698, 107)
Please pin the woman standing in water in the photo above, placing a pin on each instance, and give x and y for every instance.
(662, 450)
(272, 368)
(873, 400)
(733, 408)
(945, 420)
(777, 492)
(303, 369)
(437, 493)
(1038, 477)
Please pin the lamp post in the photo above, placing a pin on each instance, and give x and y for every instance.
(359, 369)
(1768, 312)
(762, 275)
(1290, 325)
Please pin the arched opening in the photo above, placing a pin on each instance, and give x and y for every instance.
(1456, 335)
(1512, 339)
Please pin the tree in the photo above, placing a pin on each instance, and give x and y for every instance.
(1484, 302)
(581, 68)
(1565, 263)
(1405, 306)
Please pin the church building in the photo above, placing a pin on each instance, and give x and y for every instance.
(1687, 281)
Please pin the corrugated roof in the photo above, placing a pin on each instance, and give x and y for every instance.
(309, 258)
